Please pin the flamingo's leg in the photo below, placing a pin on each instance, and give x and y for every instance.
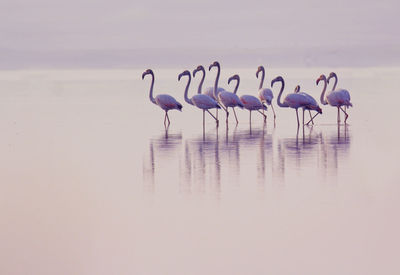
(311, 117)
(338, 114)
(303, 117)
(297, 115)
(346, 115)
(234, 112)
(204, 119)
(169, 122)
(165, 118)
(265, 117)
(250, 116)
(272, 106)
(216, 119)
(223, 108)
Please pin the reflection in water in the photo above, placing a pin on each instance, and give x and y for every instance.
(162, 148)
(210, 161)
(333, 147)
(203, 153)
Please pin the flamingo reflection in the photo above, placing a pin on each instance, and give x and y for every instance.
(208, 163)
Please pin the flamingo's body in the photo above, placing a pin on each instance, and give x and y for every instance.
(249, 102)
(210, 92)
(229, 99)
(166, 102)
(310, 104)
(204, 102)
(293, 100)
(201, 101)
(339, 97)
(252, 103)
(336, 98)
(265, 94)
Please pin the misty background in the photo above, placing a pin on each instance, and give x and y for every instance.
(133, 34)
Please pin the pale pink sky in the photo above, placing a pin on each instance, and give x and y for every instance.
(76, 25)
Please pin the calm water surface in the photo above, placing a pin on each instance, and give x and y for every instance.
(92, 183)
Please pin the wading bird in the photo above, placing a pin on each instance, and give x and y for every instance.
(312, 105)
(216, 91)
(166, 102)
(292, 100)
(337, 98)
(265, 94)
(249, 102)
(201, 101)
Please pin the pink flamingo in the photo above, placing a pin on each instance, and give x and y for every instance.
(249, 102)
(216, 90)
(292, 100)
(208, 91)
(229, 99)
(201, 101)
(265, 95)
(312, 105)
(166, 102)
(337, 98)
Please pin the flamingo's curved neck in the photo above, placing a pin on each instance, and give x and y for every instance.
(201, 81)
(216, 81)
(262, 78)
(280, 94)
(237, 85)
(323, 101)
(187, 89)
(151, 89)
(336, 80)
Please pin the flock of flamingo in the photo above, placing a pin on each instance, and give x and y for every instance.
(217, 97)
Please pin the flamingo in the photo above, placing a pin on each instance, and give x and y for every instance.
(336, 98)
(208, 91)
(293, 100)
(265, 95)
(201, 101)
(229, 99)
(249, 102)
(217, 91)
(313, 105)
(166, 102)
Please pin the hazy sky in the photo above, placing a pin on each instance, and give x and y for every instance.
(66, 25)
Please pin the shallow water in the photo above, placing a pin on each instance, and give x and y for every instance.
(92, 183)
